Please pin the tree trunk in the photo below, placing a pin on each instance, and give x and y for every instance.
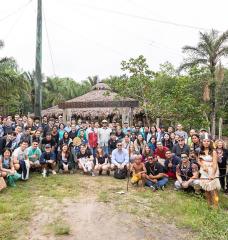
(213, 108)
(220, 128)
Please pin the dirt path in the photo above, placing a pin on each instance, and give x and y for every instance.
(91, 220)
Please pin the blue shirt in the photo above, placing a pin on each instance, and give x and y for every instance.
(120, 156)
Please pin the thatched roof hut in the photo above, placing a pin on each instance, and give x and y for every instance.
(99, 102)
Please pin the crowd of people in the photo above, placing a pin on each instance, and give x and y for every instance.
(151, 157)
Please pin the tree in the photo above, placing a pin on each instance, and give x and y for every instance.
(93, 80)
(209, 52)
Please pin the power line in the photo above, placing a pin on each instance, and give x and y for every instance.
(49, 43)
(15, 11)
(17, 19)
(143, 18)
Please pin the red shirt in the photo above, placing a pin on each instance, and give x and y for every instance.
(161, 153)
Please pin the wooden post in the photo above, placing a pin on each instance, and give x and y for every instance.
(220, 127)
(64, 115)
(157, 122)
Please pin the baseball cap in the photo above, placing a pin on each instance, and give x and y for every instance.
(48, 146)
(104, 121)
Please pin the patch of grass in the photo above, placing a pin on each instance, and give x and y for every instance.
(189, 211)
(62, 229)
(103, 197)
(17, 205)
(57, 228)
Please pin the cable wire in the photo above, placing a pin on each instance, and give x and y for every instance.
(15, 11)
(143, 18)
(49, 44)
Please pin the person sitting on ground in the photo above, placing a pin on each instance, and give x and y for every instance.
(138, 170)
(85, 160)
(21, 161)
(120, 157)
(34, 154)
(101, 162)
(48, 161)
(65, 160)
(160, 153)
(187, 174)
(156, 177)
(7, 169)
(170, 164)
(181, 147)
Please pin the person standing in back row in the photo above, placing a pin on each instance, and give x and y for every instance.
(103, 136)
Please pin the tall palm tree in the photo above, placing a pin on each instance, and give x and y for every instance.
(210, 50)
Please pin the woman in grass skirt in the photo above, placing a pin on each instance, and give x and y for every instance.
(209, 171)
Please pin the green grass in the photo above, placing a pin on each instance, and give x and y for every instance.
(17, 205)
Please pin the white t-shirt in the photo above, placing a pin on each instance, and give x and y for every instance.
(21, 155)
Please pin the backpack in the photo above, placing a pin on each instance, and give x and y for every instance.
(120, 173)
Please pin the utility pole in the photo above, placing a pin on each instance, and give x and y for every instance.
(38, 68)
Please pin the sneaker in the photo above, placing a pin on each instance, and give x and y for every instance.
(53, 172)
(162, 188)
(44, 173)
(153, 188)
(92, 174)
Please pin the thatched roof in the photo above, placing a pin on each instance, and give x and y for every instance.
(100, 101)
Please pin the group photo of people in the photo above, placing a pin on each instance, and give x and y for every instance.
(150, 157)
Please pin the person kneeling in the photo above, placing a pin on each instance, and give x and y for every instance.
(156, 177)
(48, 160)
(65, 160)
(187, 174)
(85, 160)
(138, 171)
(102, 163)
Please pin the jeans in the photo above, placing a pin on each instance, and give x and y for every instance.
(160, 183)
(93, 151)
(106, 150)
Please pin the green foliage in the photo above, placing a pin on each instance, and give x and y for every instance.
(57, 90)
(14, 88)
(164, 94)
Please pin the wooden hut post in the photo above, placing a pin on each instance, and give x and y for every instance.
(64, 115)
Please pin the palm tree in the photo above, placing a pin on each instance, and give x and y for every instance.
(93, 80)
(210, 50)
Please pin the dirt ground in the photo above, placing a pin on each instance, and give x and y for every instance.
(88, 219)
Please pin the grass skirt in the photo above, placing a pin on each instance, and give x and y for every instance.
(209, 185)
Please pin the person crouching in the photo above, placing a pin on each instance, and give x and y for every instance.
(48, 160)
(138, 171)
(187, 174)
